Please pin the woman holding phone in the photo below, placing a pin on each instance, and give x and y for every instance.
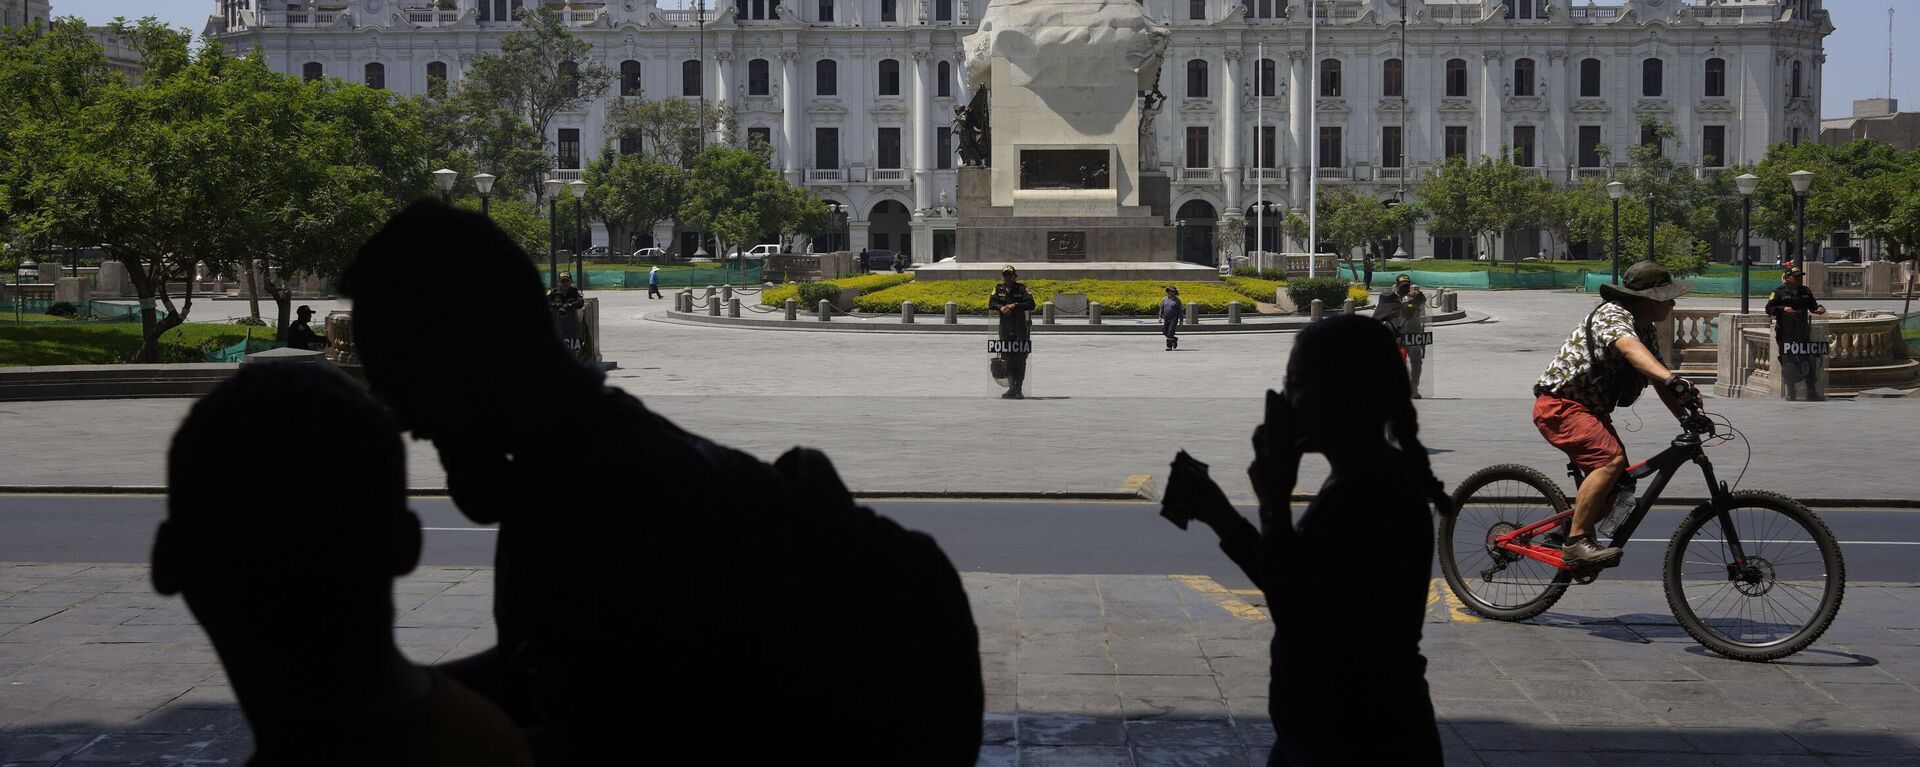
(1347, 585)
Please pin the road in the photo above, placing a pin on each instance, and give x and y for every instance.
(1025, 537)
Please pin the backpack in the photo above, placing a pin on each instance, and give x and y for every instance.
(1615, 376)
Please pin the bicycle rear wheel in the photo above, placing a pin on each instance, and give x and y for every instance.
(1492, 582)
(1775, 600)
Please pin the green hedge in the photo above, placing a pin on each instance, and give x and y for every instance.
(777, 296)
(1257, 288)
(1331, 291)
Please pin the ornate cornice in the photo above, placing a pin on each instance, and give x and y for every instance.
(1652, 106)
(1525, 104)
(1456, 106)
(1332, 106)
(1591, 106)
(1714, 107)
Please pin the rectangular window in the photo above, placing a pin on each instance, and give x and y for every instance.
(1650, 136)
(1391, 155)
(1589, 78)
(1197, 146)
(889, 10)
(1713, 146)
(1523, 145)
(942, 10)
(1268, 140)
(1197, 10)
(826, 148)
(629, 143)
(570, 148)
(889, 155)
(1589, 146)
(1456, 141)
(943, 148)
(826, 10)
(760, 139)
(1331, 153)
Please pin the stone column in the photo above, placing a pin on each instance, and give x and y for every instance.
(1229, 119)
(1490, 103)
(1299, 100)
(922, 117)
(1559, 100)
(791, 142)
(723, 83)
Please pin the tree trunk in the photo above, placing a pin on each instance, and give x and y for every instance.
(253, 289)
(283, 303)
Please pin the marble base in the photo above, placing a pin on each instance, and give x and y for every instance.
(1163, 271)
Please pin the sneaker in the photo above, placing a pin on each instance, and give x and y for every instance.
(1013, 394)
(1581, 552)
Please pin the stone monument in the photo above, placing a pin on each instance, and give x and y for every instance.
(1052, 179)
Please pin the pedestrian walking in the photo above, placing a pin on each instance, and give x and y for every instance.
(1170, 309)
(653, 282)
(1012, 300)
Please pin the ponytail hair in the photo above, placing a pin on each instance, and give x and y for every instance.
(1406, 431)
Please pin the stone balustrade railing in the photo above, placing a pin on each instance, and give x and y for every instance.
(1866, 352)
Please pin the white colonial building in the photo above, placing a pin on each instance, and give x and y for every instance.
(857, 97)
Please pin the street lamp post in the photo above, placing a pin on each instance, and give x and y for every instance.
(553, 231)
(1615, 190)
(1650, 224)
(579, 189)
(484, 183)
(1802, 181)
(1746, 182)
(834, 221)
(445, 178)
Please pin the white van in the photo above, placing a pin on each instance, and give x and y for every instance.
(762, 251)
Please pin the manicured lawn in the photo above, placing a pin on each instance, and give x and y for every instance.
(61, 342)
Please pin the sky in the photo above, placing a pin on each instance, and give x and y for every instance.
(1856, 52)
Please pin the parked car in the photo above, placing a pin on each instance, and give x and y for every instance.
(648, 254)
(762, 251)
(876, 260)
(597, 252)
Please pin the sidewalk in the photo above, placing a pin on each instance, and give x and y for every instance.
(1080, 670)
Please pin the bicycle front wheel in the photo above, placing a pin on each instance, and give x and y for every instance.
(1773, 598)
(1493, 582)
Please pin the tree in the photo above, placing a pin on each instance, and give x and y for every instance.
(631, 193)
(1581, 214)
(541, 70)
(1773, 206)
(1484, 200)
(670, 130)
(733, 195)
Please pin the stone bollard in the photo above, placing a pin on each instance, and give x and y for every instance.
(1233, 312)
(1346, 307)
(1093, 312)
(825, 310)
(793, 310)
(726, 292)
(906, 312)
(680, 301)
(1317, 309)
(1193, 313)
(733, 308)
(1046, 313)
(953, 314)
(713, 307)
(710, 291)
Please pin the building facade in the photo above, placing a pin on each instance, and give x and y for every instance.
(857, 97)
(25, 13)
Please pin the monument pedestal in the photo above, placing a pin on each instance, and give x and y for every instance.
(1128, 242)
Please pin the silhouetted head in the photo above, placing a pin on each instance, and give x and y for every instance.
(1348, 386)
(445, 306)
(286, 539)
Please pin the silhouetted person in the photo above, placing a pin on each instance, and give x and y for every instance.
(567, 302)
(1012, 302)
(294, 587)
(1170, 317)
(300, 335)
(731, 603)
(1347, 586)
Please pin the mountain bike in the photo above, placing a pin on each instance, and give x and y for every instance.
(1750, 574)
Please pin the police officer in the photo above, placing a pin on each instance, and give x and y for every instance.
(565, 302)
(1792, 307)
(1013, 302)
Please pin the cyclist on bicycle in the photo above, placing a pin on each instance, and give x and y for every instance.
(1605, 363)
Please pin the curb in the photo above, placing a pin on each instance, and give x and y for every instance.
(934, 324)
(1139, 488)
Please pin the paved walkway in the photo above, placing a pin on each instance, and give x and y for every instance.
(1080, 670)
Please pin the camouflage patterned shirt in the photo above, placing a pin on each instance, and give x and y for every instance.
(1572, 374)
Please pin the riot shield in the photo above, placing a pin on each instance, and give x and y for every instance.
(1416, 344)
(1803, 365)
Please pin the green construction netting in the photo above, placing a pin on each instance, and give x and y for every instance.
(1493, 279)
(1721, 286)
(676, 277)
(86, 311)
(1910, 330)
(238, 352)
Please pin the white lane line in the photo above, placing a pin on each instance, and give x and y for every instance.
(1809, 543)
(461, 529)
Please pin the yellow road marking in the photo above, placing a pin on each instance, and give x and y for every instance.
(1223, 596)
(1455, 610)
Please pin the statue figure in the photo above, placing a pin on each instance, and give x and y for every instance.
(970, 123)
(1150, 102)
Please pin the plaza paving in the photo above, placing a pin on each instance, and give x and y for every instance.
(911, 413)
(1079, 670)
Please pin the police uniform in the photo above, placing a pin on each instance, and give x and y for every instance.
(1797, 371)
(1013, 327)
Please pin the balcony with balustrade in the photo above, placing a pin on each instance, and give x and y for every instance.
(1196, 176)
(826, 176)
(891, 176)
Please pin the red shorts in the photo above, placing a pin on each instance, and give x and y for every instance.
(1588, 439)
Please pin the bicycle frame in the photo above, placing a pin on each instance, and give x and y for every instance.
(1662, 467)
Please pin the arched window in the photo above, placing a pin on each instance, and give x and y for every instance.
(569, 77)
(1456, 78)
(629, 78)
(312, 71)
(1523, 81)
(889, 77)
(1266, 77)
(1795, 83)
(1716, 79)
(1329, 78)
(1653, 77)
(826, 78)
(943, 85)
(1589, 78)
(1393, 79)
(377, 76)
(757, 78)
(437, 79)
(690, 78)
(1197, 79)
